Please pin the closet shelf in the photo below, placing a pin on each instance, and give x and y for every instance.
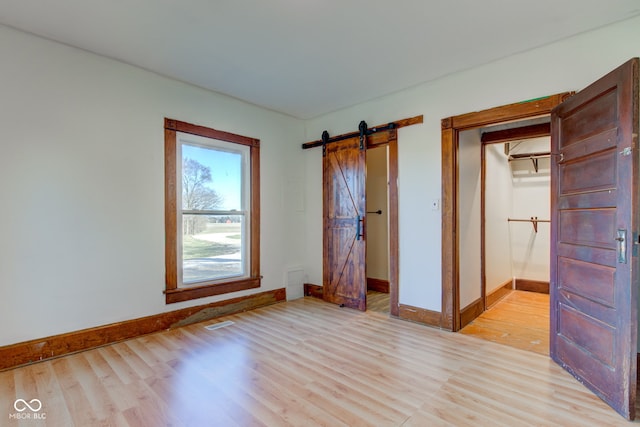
(533, 220)
(531, 156)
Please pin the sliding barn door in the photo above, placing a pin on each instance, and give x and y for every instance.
(344, 275)
(594, 252)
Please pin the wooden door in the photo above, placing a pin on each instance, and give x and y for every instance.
(344, 251)
(594, 279)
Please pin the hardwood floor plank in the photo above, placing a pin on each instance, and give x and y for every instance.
(8, 390)
(520, 320)
(162, 346)
(511, 335)
(477, 396)
(135, 362)
(76, 399)
(518, 317)
(378, 302)
(506, 401)
(447, 407)
(306, 363)
(383, 368)
(149, 412)
(289, 370)
(426, 417)
(353, 408)
(101, 405)
(383, 380)
(296, 406)
(479, 409)
(240, 384)
(556, 400)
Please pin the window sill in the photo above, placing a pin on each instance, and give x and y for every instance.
(194, 292)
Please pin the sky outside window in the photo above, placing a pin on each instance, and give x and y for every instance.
(226, 172)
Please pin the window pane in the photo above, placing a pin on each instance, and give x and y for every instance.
(212, 247)
(211, 177)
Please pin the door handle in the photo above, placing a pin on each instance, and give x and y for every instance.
(360, 228)
(622, 246)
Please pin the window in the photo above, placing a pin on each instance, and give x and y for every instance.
(212, 212)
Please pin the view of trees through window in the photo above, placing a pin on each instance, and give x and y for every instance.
(212, 215)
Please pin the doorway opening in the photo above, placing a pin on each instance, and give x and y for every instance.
(505, 234)
(345, 217)
(377, 205)
(452, 128)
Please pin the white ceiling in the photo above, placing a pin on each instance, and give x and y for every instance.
(309, 57)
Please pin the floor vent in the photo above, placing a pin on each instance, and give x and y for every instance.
(219, 325)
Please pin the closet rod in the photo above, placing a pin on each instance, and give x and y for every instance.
(541, 155)
(534, 220)
(530, 156)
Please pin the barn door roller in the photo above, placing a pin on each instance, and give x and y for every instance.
(325, 141)
(363, 132)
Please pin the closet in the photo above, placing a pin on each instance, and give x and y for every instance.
(504, 208)
(516, 211)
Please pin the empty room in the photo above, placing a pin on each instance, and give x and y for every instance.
(293, 213)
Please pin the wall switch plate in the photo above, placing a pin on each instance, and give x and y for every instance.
(435, 204)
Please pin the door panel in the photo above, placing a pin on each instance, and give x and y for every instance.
(594, 173)
(594, 277)
(594, 117)
(586, 278)
(344, 275)
(588, 227)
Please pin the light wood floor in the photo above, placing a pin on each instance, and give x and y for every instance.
(378, 302)
(520, 319)
(304, 363)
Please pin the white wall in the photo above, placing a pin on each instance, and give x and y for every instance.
(82, 172)
(570, 64)
(531, 198)
(469, 214)
(498, 206)
(377, 225)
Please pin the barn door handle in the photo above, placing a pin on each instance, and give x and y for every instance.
(360, 228)
(622, 247)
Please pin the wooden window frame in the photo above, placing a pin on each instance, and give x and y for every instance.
(173, 292)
